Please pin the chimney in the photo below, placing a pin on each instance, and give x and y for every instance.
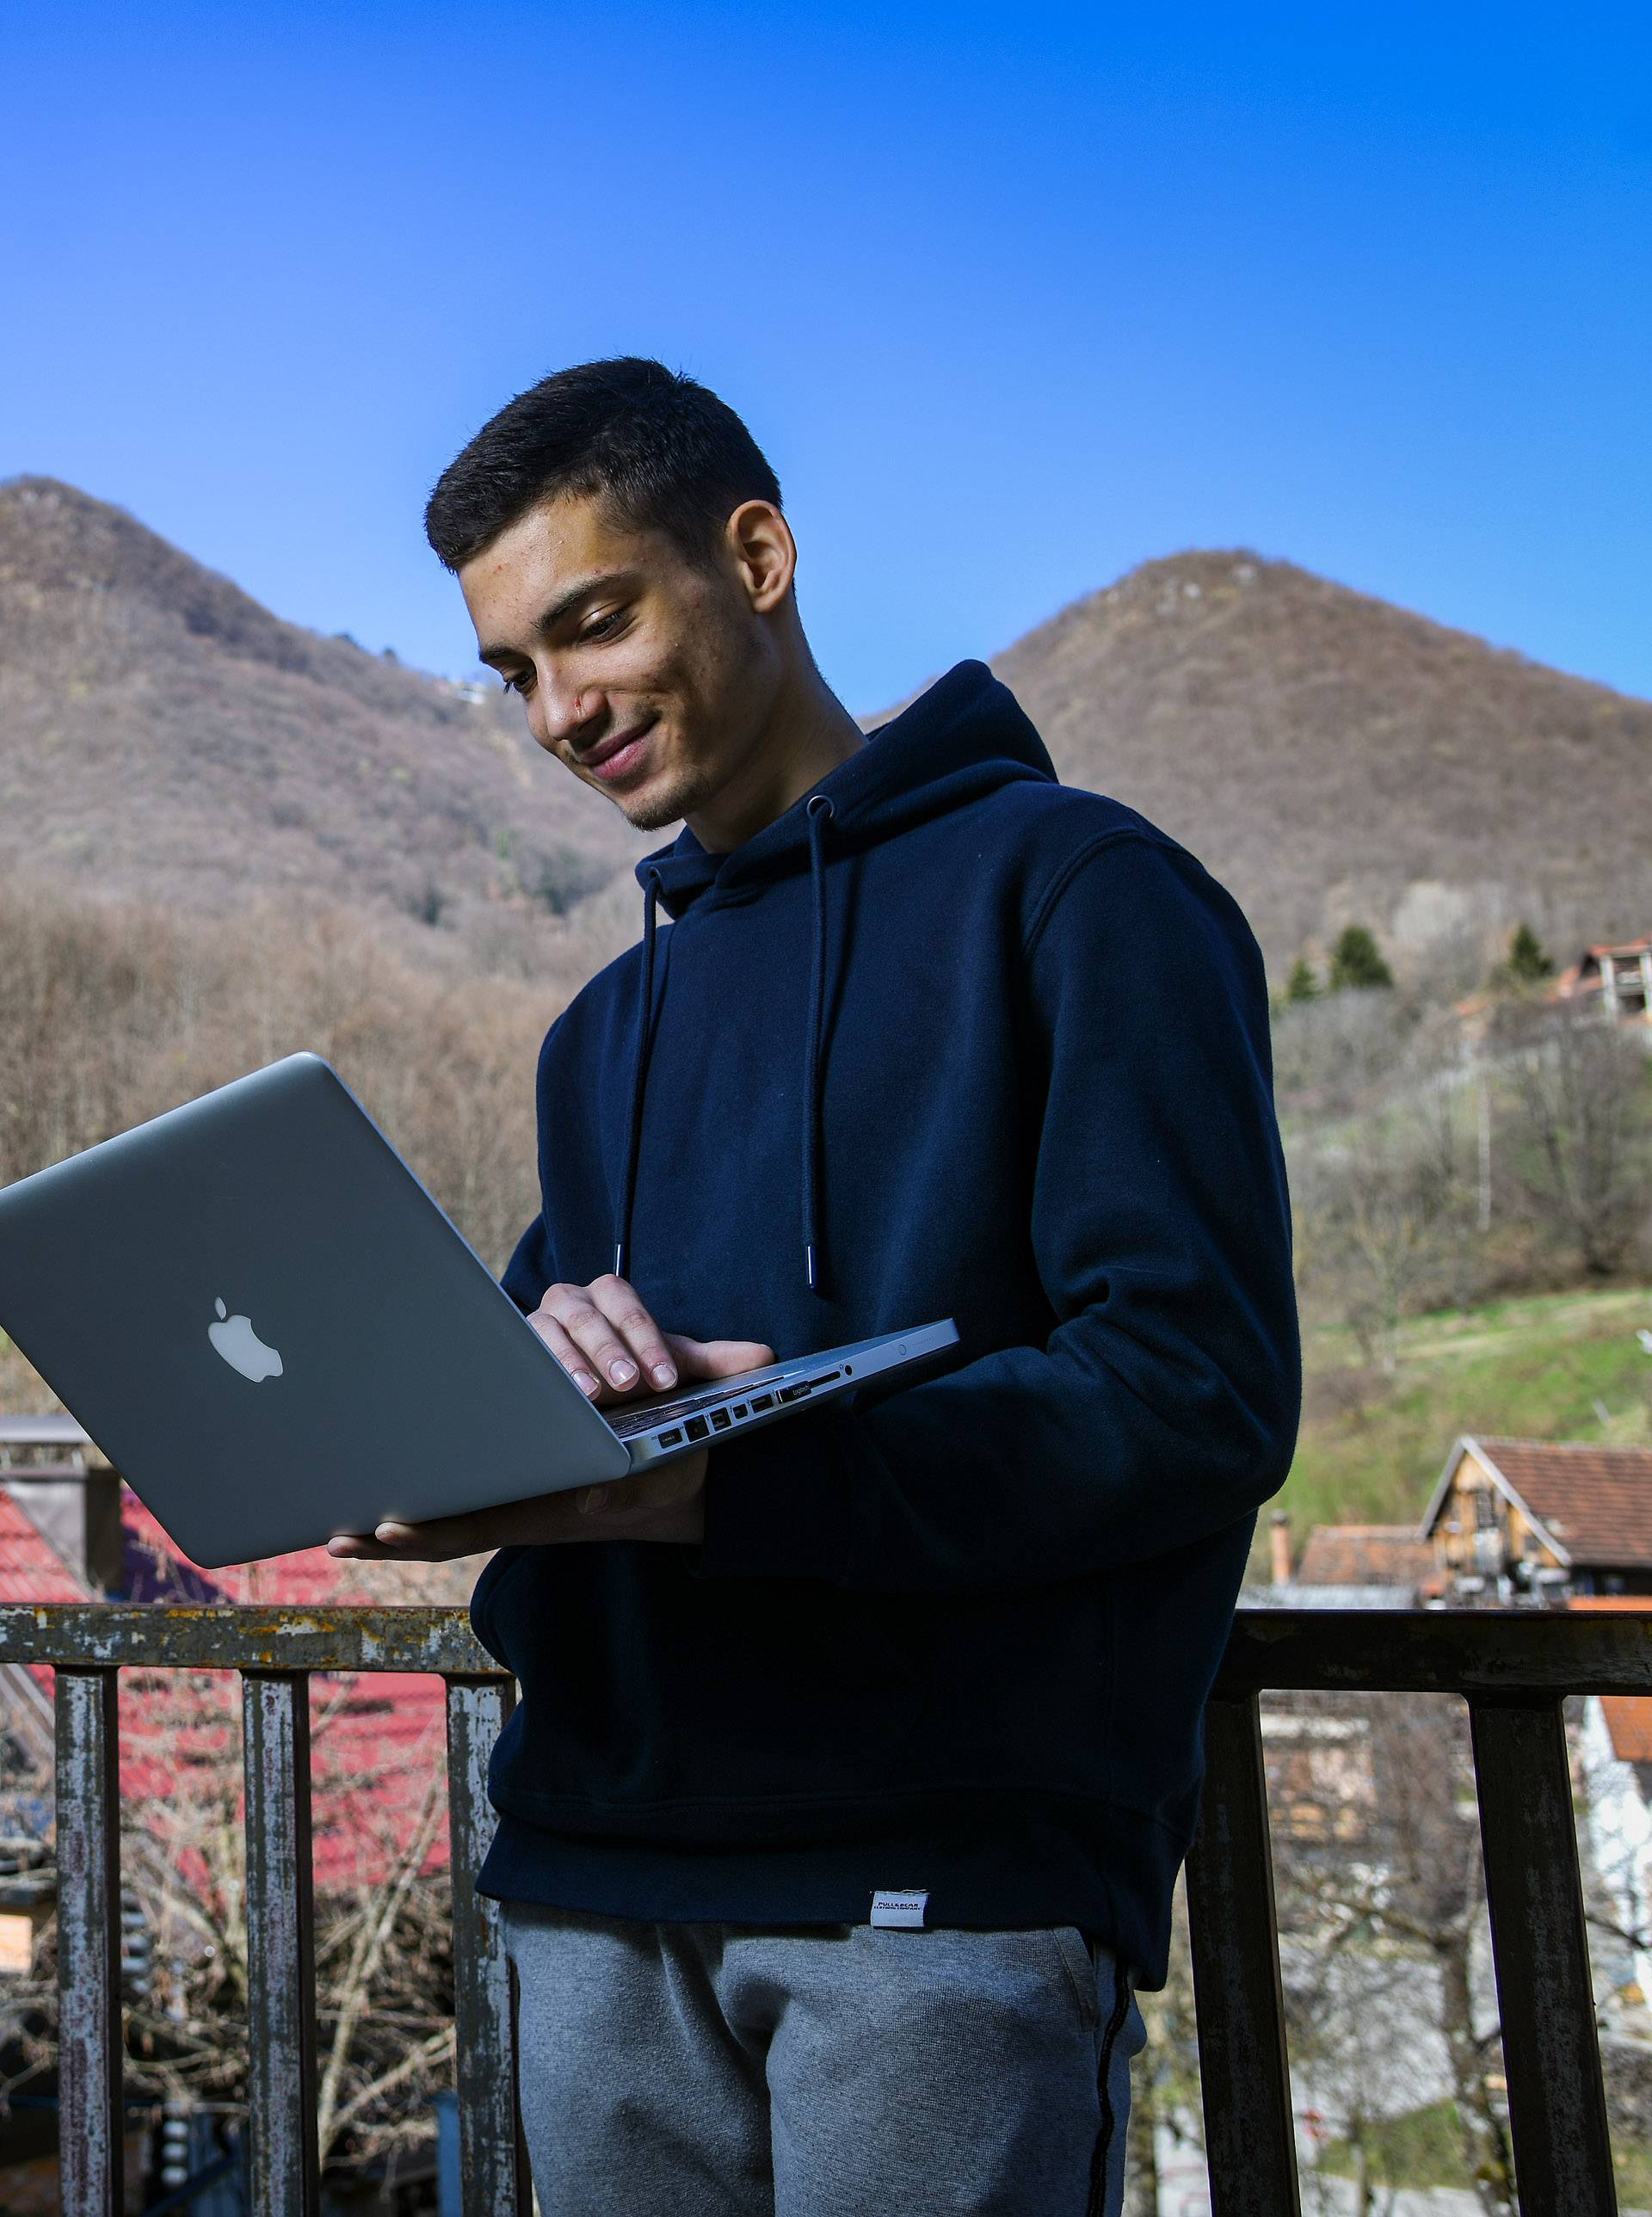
(1279, 1546)
(69, 1493)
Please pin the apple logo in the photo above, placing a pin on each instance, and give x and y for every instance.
(241, 1347)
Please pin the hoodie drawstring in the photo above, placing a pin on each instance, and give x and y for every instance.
(639, 1073)
(820, 813)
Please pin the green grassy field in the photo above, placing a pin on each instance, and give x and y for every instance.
(1373, 1444)
(1425, 2149)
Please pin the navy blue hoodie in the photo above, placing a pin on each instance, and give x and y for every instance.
(946, 1039)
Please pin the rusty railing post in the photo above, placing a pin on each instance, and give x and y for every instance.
(91, 2144)
(283, 2167)
(493, 2155)
(1551, 2053)
(1250, 2135)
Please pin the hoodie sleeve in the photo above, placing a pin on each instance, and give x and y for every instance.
(532, 1267)
(1164, 1405)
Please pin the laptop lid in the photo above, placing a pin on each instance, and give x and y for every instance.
(274, 1333)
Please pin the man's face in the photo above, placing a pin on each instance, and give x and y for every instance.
(650, 676)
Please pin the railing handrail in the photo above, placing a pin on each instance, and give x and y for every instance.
(1480, 1653)
(1483, 1652)
(1514, 1668)
(163, 1636)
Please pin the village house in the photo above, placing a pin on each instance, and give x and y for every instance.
(1348, 1566)
(1535, 1521)
(1619, 978)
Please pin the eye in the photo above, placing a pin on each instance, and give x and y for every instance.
(604, 627)
(519, 682)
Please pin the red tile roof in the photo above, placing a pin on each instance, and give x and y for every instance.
(1364, 1555)
(378, 1740)
(30, 1568)
(1595, 1502)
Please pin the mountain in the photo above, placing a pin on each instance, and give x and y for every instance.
(162, 734)
(1333, 758)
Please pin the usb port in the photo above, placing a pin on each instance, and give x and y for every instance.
(697, 1428)
(761, 1401)
(720, 1420)
(792, 1393)
(671, 1439)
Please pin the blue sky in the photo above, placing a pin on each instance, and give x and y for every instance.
(1014, 297)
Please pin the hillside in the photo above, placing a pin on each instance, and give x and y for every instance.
(161, 734)
(1334, 759)
(1547, 1366)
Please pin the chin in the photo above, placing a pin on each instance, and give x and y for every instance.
(652, 812)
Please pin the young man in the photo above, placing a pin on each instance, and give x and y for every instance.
(856, 1757)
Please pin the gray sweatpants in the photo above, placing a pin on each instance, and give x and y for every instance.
(677, 2070)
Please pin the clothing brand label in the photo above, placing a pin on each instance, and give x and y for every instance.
(904, 1907)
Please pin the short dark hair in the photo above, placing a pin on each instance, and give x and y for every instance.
(665, 452)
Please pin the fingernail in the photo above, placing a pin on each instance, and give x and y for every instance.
(585, 1382)
(389, 1534)
(621, 1373)
(664, 1374)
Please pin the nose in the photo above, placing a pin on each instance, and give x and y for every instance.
(563, 710)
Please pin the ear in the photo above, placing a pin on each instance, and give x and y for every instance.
(763, 551)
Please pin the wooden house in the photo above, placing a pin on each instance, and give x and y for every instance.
(1536, 1521)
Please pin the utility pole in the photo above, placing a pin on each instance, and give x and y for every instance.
(1484, 1104)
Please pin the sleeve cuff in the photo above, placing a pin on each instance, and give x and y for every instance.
(776, 1503)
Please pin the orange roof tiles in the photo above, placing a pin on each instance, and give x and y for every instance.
(1628, 1716)
(1595, 1502)
(1364, 1555)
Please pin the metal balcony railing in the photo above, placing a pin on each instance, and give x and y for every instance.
(275, 1651)
(1513, 1670)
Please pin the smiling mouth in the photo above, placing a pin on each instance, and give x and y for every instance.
(616, 757)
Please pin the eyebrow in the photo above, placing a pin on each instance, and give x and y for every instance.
(563, 606)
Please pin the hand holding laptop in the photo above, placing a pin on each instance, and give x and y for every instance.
(613, 1349)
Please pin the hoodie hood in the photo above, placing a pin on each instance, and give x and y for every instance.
(964, 736)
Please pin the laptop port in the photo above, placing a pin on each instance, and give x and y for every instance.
(673, 1439)
(761, 1401)
(697, 1428)
(792, 1393)
(720, 1420)
(738, 1410)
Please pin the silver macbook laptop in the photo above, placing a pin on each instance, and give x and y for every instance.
(275, 1334)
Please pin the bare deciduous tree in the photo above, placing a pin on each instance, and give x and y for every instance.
(1583, 1124)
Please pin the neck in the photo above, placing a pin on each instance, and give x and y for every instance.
(808, 732)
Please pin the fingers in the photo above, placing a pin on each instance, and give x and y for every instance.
(605, 1338)
(439, 1541)
(718, 1358)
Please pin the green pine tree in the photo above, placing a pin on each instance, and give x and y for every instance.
(1357, 962)
(1527, 962)
(1302, 985)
